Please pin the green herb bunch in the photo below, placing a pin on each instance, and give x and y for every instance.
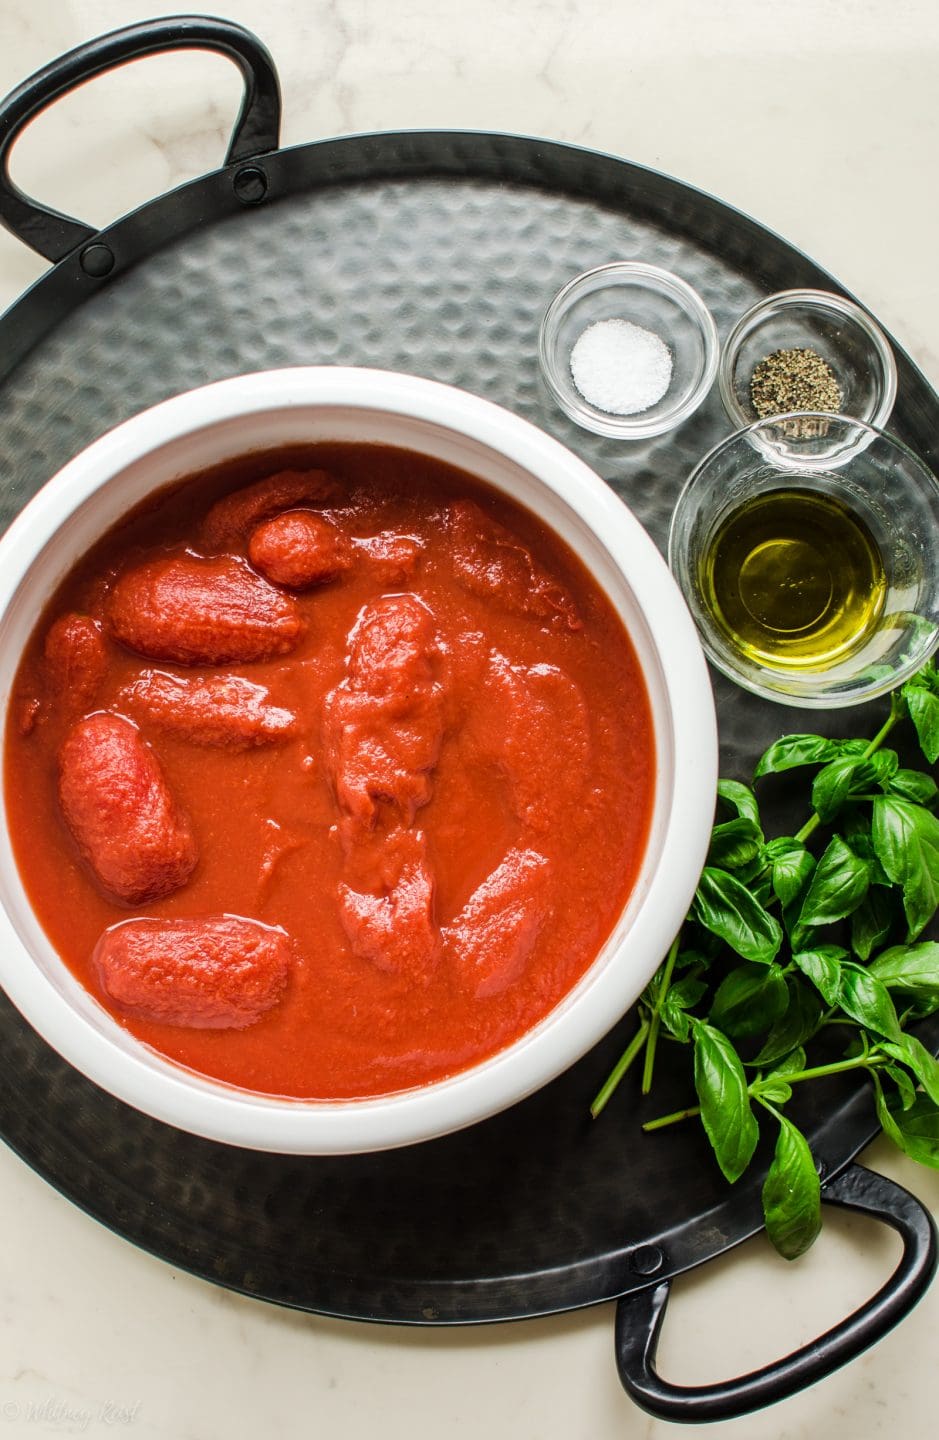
(803, 940)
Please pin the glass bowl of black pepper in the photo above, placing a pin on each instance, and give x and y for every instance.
(628, 350)
(807, 350)
(807, 556)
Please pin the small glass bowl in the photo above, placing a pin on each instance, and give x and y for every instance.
(654, 299)
(835, 328)
(877, 480)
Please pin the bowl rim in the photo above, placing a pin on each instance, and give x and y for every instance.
(805, 700)
(627, 427)
(822, 300)
(171, 1094)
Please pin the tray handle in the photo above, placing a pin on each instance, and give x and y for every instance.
(639, 1318)
(256, 130)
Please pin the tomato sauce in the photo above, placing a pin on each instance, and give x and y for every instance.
(375, 709)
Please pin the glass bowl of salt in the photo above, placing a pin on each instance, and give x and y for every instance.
(628, 350)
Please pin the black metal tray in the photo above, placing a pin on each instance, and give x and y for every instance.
(433, 253)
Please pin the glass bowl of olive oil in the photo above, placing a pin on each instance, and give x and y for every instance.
(807, 548)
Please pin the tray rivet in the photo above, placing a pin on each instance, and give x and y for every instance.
(250, 185)
(96, 260)
(647, 1260)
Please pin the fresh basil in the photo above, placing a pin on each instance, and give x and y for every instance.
(924, 712)
(914, 785)
(792, 1194)
(906, 839)
(792, 864)
(735, 844)
(729, 910)
(798, 1023)
(792, 751)
(915, 1130)
(679, 999)
(823, 967)
(784, 944)
(906, 1090)
(839, 883)
(834, 783)
(742, 799)
(912, 1052)
(913, 969)
(872, 922)
(867, 1000)
(749, 1000)
(726, 1113)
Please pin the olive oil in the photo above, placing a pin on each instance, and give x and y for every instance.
(795, 579)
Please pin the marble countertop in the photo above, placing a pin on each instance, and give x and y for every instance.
(823, 122)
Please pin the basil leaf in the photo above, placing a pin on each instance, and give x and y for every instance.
(905, 1086)
(855, 830)
(912, 1052)
(735, 844)
(839, 884)
(792, 1194)
(914, 785)
(926, 678)
(834, 783)
(924, 712)
(749, 1000)
(853, 746)
(884, 764)
(742, 799)
(725, 1104)
(728, 909)
(691, 957)
(791, 1064)
(913, 969)
(679, 998)
(885, 1115)
(868, 1001)
(761, 890)
(823, 967)
(793, 750)
(850, 775)
(871, 922)
(906, 839)
(792, 865)
(774, 1085)
(915, 1131)
(799, 1022)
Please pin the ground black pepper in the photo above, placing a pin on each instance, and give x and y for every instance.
(794, 380)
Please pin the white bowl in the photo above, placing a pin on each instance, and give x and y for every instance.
(260, 412)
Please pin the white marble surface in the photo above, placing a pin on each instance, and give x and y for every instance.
(822, 120)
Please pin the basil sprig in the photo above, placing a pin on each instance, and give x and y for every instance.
(803, 957)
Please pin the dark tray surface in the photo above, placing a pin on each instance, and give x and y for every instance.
(434, 254)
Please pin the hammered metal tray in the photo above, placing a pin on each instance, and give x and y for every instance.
(433, 253)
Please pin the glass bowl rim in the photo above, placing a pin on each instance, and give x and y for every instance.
(821, 300)
(653, 278)
(749, 679)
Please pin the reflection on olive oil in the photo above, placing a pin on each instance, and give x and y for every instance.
(795, 579)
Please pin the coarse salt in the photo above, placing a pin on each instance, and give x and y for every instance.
(621, 368)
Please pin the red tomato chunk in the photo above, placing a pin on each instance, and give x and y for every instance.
(201, 612)
(212, 973)
(116, 801)
(299, 550)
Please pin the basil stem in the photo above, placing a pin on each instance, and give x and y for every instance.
(619, 1069)
(656, 1017)
(869, 1061)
